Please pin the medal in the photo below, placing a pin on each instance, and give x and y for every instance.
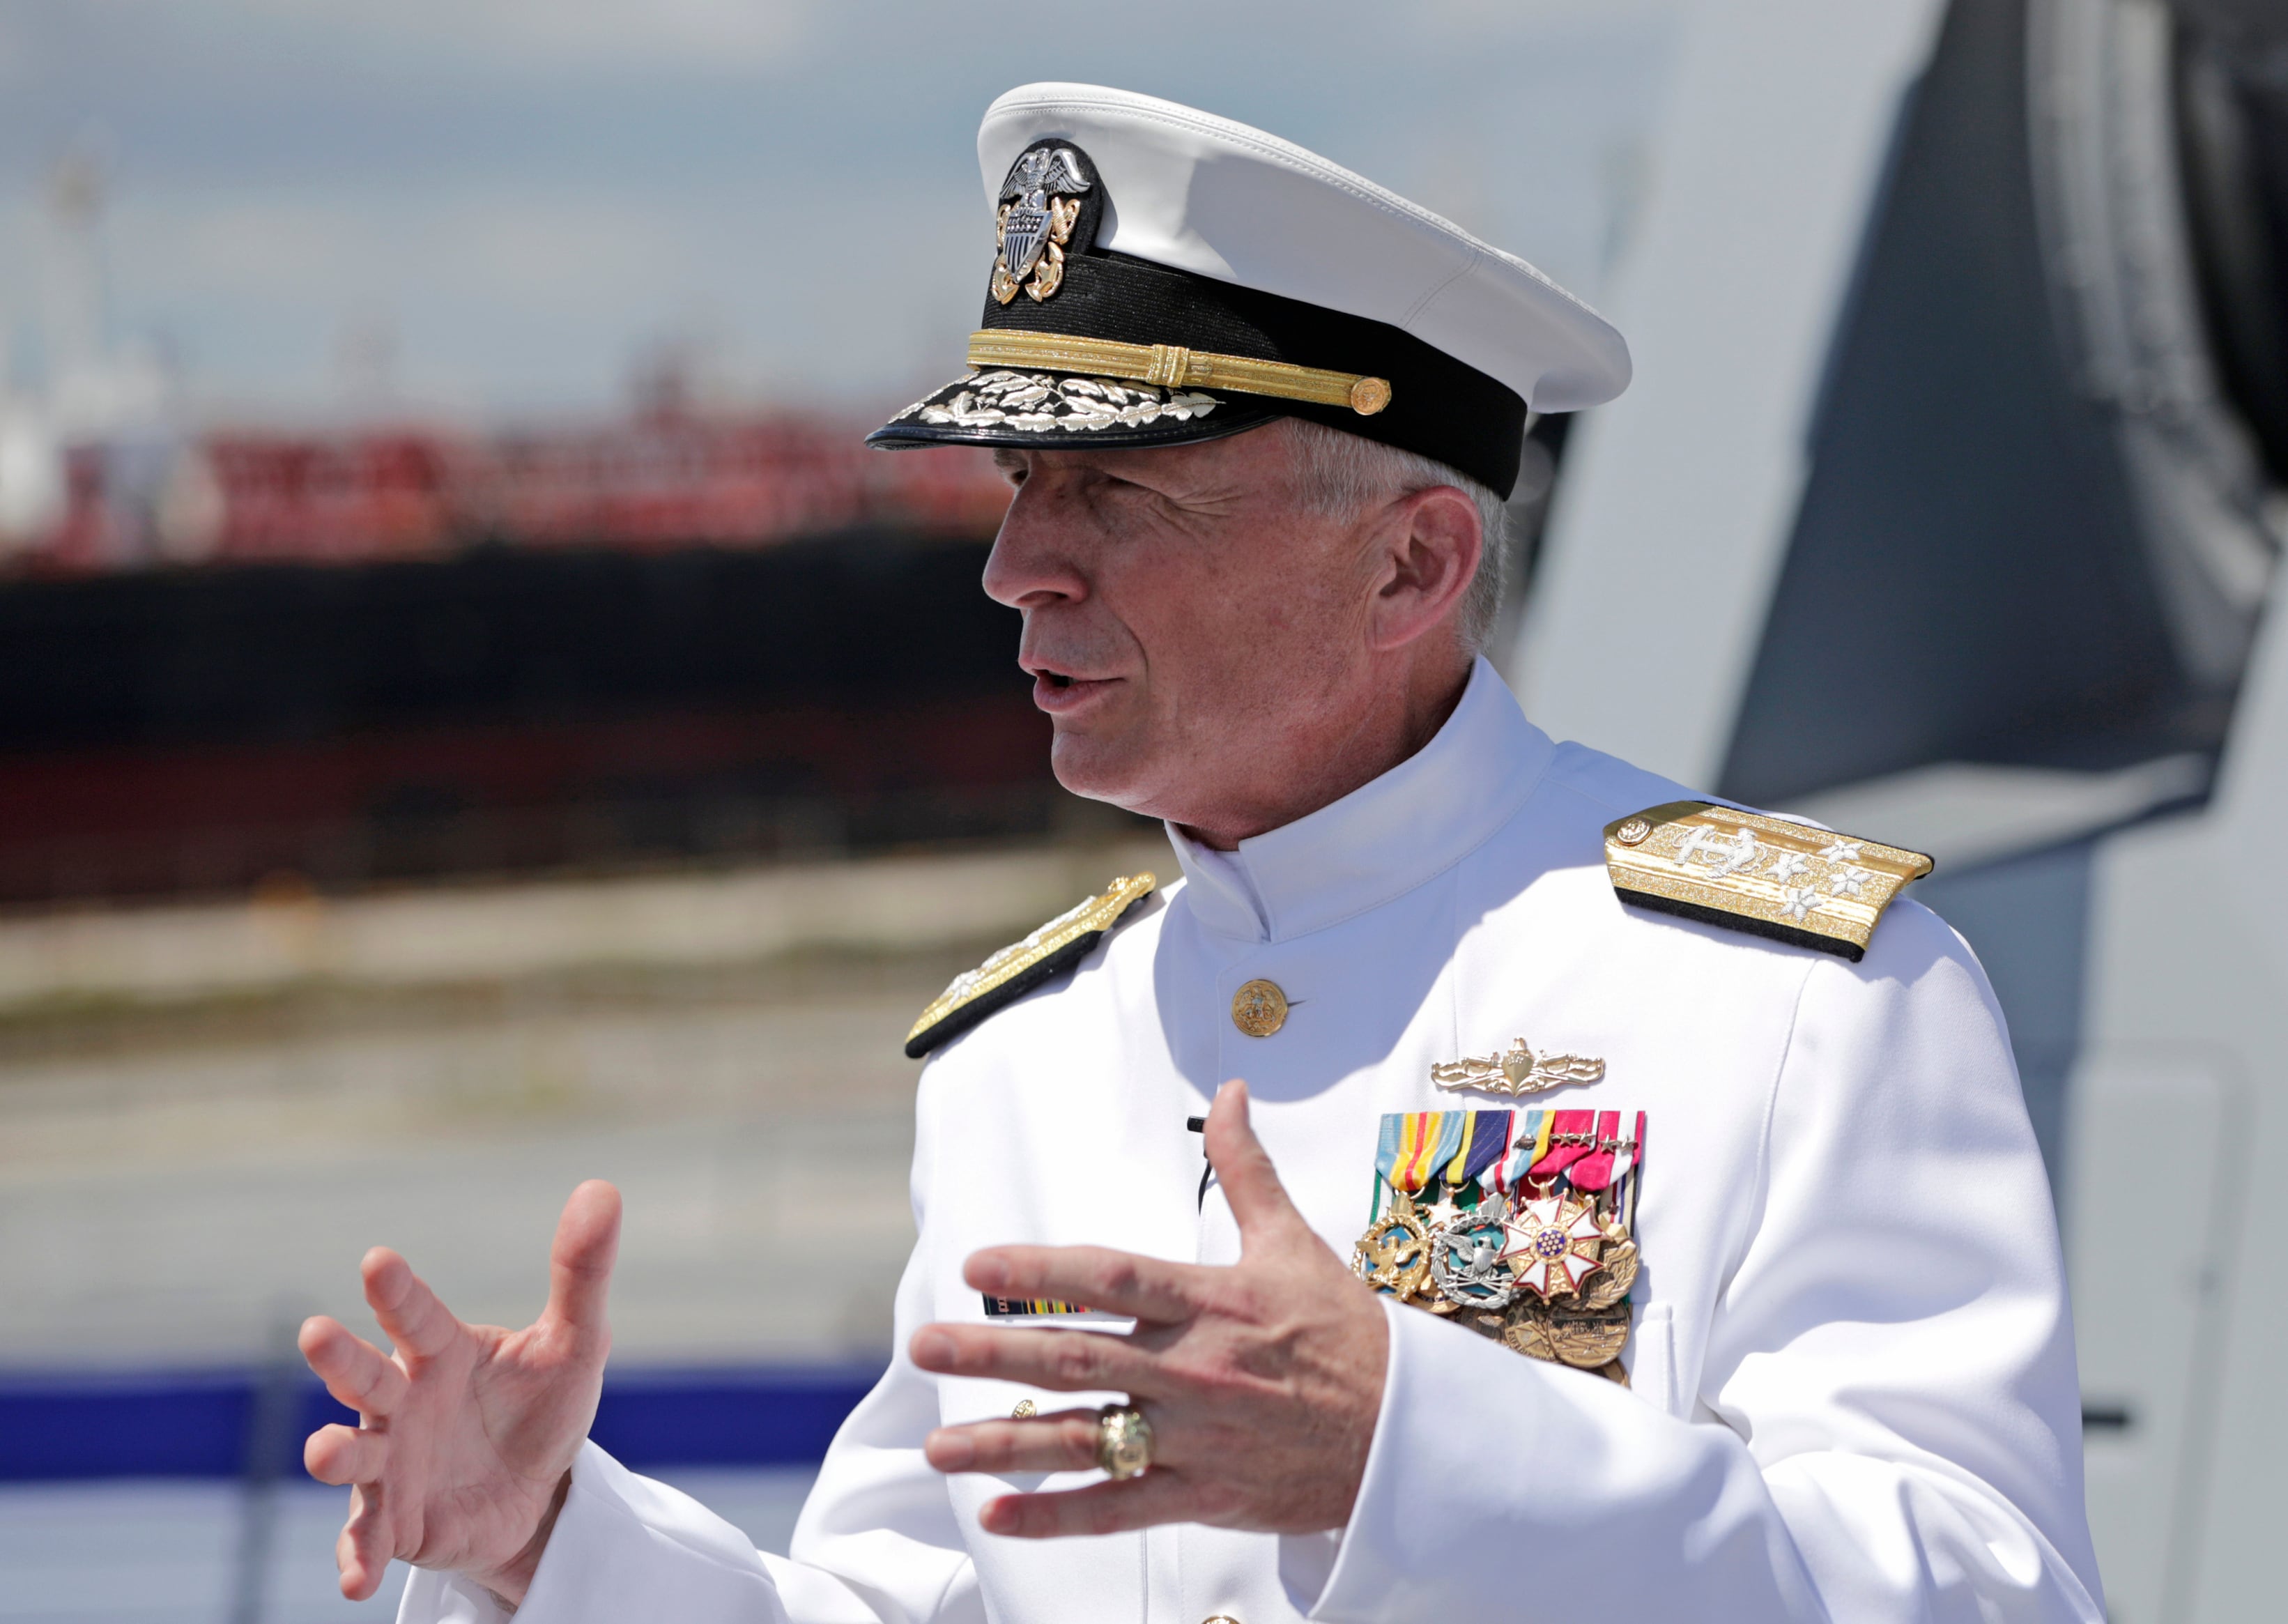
(1566, 1335)
(1616, 1272)
(1465, 1258)
(1552, 1245)
(1514, 1223)
(1393, 1255)
(1420, 1152)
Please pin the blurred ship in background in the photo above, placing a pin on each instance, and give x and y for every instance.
(391, 652)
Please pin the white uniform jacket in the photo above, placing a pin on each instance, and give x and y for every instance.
(1853, 1393)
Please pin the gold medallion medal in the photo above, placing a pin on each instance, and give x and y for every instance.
(1616, 1272)
(1393, 1254)
(1565, 1333)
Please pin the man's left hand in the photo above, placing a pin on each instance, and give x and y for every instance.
(1261, 1381)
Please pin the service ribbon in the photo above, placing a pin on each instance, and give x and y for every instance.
(1622, 1158)
(1026, 1308)
(1625, 1196)
(1415, 1144)
(1594, 1171)
(1531, 1144)
(1484, 1139)
(1571, 1133)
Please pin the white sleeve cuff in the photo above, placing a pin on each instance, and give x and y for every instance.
(431, 1598)
(623, 1547)
(1329, 1571)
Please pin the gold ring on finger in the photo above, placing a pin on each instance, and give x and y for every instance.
(1123, 1442)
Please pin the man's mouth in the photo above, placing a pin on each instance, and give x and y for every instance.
(1058, 690)
(1056, 676)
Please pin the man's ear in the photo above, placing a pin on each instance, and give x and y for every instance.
(1427, 550)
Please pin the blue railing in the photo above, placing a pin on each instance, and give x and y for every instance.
(60, 1425)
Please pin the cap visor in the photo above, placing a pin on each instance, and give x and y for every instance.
(1058, 410)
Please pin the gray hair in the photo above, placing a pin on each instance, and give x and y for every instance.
(1340, 475)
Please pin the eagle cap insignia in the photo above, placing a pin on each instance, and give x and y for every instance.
(1042, 202)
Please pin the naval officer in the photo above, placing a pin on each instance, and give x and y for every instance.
(1629, 1212)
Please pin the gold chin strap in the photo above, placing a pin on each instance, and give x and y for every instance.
(1172, 366)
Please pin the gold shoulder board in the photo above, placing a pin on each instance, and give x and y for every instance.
(1809, 888)
(1022, 966)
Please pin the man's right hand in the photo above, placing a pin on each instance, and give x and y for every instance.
(464, 1448)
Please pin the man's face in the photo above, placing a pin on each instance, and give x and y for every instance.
(1193, 632)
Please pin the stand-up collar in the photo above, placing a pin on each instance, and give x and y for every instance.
(1383, 837)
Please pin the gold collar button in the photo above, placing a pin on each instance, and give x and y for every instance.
(1259, 1009)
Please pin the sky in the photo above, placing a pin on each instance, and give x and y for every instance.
(493, 208)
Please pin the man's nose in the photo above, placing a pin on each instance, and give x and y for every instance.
(1032, 562)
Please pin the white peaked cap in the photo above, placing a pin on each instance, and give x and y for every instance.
(1220, 199)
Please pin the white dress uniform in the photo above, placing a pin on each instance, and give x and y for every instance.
(1852, 1393)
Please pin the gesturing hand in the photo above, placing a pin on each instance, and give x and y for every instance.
(466, 1432)
(1262, 1382)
